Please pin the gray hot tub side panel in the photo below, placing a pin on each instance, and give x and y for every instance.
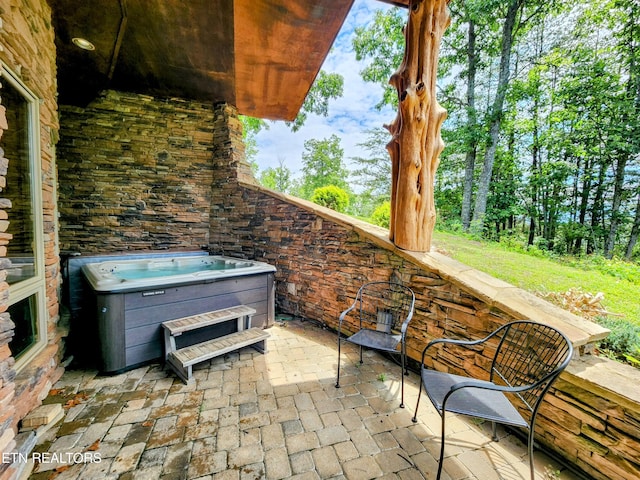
(129, 324)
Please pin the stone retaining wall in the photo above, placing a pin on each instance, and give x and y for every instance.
(594, 418)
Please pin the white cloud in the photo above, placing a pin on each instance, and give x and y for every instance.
(349, 117)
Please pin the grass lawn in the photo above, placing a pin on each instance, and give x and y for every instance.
(543, 275)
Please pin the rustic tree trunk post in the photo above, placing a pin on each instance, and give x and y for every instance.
(416, 144)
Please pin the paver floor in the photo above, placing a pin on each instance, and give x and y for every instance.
(273, 416)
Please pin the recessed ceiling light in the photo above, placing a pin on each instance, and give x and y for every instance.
(83, 43)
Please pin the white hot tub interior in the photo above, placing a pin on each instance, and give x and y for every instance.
(114, 275)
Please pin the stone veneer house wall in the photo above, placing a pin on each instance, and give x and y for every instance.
(135, 174)
(27, 49)
(138, 173)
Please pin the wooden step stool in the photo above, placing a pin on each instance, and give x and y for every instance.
(182, 360)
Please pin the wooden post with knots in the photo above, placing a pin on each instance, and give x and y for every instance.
(416, 143)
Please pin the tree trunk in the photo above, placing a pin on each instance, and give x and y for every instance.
(633, 87)
(584, 201)
(472, 142)
(618, 190)
(508, 33)
(416, 144)
(597, 210)
(532, 231)
(535, 166)
(635, 232)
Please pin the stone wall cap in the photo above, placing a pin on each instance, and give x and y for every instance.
(620, 379)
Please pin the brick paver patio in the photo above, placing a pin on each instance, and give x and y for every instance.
(273, 416)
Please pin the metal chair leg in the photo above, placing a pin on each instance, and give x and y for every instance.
(415, 413)
(338, 378)
(402, 381)
(404, 355)
(531, 466)
(441, 462)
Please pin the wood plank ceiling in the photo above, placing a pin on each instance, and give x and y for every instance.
(260, 55)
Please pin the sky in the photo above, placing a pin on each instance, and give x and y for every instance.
(349, 116)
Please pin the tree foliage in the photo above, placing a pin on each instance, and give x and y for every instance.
(382, 215)
(331, 197)
(250, 128)
(543, 132)
(382, 44)
(326, 87)
(544, 113)
(322, 165)
(279, 178)
(374, 170)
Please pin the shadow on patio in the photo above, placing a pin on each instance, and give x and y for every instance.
(254, 416)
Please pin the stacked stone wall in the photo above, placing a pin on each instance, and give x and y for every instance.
(593, 417)
(135, 173)
(27, 48)
(321, 264)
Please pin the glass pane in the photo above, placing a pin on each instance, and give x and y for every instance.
(15, 143)
(24, 315)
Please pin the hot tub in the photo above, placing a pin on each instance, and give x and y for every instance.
(131, 299)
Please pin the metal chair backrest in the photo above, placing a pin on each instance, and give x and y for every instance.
(530, 356)
(385, 306)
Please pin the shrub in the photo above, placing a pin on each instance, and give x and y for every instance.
(381, 216)
(624, 340)
(450, 225)
(331, 197)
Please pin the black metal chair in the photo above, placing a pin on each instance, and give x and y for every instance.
(380, 313)
(528, 358)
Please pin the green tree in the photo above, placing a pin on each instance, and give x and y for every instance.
(592, 134)
(628, 53)
(382, 215)
(382, 43)
(250, 128)
(278, 178)
(323, 165)
(331, 197)
(515, 16)
(503, 204)
(374, 170)
(326, 87)
(372, 173)
(470, 43)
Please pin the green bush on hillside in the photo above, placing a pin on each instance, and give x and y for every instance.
(331, 197)
(624, 340)
(381, 216)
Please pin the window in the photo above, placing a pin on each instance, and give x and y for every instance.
(25, 317)
(25, 274)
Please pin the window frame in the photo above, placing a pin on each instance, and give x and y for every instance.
(35, 285)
